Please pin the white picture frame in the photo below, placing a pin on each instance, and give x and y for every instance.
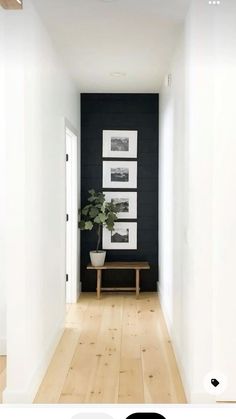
(119, 175)
(123, 237)
(120, 144)
(126, 202)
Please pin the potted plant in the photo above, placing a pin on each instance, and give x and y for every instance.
(96, 214)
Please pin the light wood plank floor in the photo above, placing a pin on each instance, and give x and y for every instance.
(113, 350)
(3, 364)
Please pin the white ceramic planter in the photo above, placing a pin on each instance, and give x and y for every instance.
(97, 258)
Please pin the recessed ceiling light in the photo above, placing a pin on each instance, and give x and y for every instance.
(118, 74)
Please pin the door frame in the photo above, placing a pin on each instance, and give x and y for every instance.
(73, 278)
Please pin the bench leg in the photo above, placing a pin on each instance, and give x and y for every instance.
(99, 281)
(137, 282)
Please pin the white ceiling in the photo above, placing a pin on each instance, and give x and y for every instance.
(98, 37)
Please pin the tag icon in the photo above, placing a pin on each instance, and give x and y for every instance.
(215, 382)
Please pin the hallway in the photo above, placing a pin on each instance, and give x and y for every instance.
(147, 88)
(116, 350)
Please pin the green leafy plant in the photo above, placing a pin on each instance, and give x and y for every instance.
(97, 213)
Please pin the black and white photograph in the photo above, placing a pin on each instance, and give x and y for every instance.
(125, 203)
(121, 204)
(120, 235)
(121, 144)
(120, 174)
(123, 236)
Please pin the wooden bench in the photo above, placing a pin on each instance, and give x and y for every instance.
(137, 266)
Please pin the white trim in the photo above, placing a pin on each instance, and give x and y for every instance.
(71, 127)
(3, 346)
(28, 394)
(72, 236)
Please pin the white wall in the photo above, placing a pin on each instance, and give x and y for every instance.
(197, 227)
(2, 191)
(224, 202)
(39, 97)
(174, 286)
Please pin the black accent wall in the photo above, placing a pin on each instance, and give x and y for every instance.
(122, 112)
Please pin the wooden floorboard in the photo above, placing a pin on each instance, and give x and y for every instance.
(131, 377)
(76, 385)
(52, 385)
(104, 379)
(3, 365)
(114, 350)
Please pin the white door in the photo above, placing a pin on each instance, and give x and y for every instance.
(71, 218)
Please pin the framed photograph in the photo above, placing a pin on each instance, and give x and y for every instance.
(124, 236)
(125, 202)
(121, 144)
(120, 174)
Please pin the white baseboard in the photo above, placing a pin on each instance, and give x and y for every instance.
(192, 397)
(184, 379)
(3, 346)
(29, 393)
